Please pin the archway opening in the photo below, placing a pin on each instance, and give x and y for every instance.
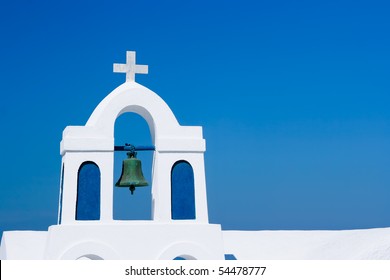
(184, 257)
(133, 129)
(182, 191)
(88, 192)
(89, 257)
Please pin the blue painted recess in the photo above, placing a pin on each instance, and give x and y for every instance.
(88, 192)
(182, 191)
(230, 257)
(179, 259)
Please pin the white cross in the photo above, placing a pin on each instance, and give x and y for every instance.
(130, 68)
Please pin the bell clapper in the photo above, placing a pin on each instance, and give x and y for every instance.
(132, 189)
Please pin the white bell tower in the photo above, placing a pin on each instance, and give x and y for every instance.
(179, 225)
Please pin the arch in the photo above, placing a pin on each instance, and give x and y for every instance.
(90, 250)
(185, 250)
(179, 258)
(132, 128)
(88, 192)
(184, 258)
(90, 257)
(97, 136)
(166, 133)
(182, 191)
(132, 97)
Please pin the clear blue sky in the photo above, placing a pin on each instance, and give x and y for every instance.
(293, 97)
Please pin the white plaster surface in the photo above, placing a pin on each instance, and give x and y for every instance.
(135, 240)
(365, 244)
(23, 245)
(122, 240)
(138, 240)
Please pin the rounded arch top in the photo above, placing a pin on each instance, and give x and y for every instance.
(186, 250)
(93, 250)
(135, 98)
(166, 133)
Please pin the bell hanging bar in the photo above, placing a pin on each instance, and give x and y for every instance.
(129, 147)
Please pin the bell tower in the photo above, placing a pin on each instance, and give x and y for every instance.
(178, 181)
(178, 185)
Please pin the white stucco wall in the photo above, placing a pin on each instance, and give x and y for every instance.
(23, 245)
(135, 240)
(118, 242)
(363, 244)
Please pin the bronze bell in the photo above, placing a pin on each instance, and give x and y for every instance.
(132, 175)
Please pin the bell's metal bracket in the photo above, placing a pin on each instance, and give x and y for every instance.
(132, 149)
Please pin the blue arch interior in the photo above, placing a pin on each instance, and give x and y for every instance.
(179, 259)
(230, 257)
(88, 192)
(182, 191)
